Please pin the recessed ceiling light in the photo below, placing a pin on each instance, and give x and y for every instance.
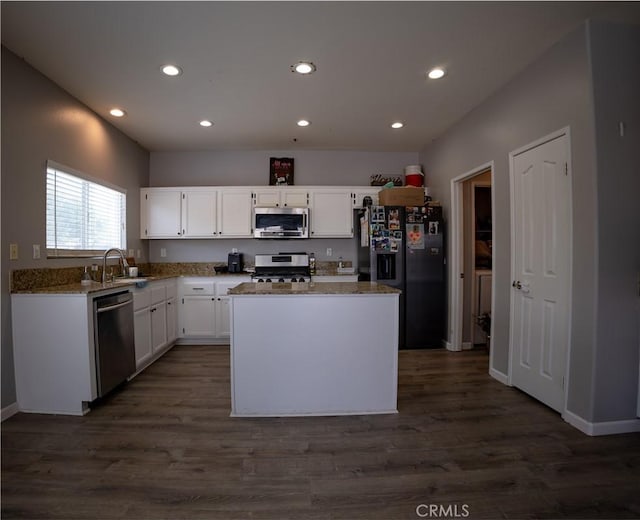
(206, 123)
(303, 67)
(117, 112)
(303, 122)
(397, 124)
(436, 73)
(171, 70)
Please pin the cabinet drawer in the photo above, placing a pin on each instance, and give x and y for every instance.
(198, 288)
(172, 290)
(158, 293)
(141, 298)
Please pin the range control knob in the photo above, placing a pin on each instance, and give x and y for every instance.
(281, 280)
(268, 280)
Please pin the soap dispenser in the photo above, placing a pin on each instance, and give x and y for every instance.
(86, 277)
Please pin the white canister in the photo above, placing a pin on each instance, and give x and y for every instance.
(133, 272)
(413, 169)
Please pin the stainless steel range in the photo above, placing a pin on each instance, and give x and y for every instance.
(283, 267)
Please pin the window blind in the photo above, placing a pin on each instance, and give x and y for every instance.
(84, 218)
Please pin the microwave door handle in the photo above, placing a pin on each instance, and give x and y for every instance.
(304, 221)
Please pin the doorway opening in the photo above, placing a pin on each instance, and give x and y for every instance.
(472, 259)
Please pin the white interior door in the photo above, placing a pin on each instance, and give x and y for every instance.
(541, 253)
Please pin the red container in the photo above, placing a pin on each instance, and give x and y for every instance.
(414, 179)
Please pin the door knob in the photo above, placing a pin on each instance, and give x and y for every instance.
(524, 287)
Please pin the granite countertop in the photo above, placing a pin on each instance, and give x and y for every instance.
(93, 287)
(338, 288)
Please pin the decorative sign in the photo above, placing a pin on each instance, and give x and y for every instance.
(280, 171)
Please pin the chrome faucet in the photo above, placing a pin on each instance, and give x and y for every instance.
(125, 264)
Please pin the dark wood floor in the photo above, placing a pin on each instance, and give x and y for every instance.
(165, 447)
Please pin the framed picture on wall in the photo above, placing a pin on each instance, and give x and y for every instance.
(281, 171)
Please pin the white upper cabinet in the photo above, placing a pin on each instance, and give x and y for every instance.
(360, 193)
(160, 213)
(295, 198)
(266, 198)
(280, 197)
(227, 212)
(331, 212)
(195, 212)
(199, 213)
(235, 213)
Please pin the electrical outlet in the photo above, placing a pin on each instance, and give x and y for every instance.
(138, 253)
(130, 253)
(36, 251)
(329, 251)
(13, 251)
(163, 252)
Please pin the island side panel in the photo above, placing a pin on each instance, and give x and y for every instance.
(314, 354)
(53, 352)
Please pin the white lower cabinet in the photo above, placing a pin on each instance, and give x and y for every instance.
(172, 319)
(154, 320)
(142, 328)
(204, 309)
(198, 316)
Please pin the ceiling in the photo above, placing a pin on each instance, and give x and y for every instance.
(371, 60)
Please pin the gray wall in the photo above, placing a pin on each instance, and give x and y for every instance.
(40, 121)
(552, 93)
(615, 55)
(251, 168)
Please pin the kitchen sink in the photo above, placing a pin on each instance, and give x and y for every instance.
(137, 281)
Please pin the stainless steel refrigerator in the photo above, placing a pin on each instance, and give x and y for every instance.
(405, 248)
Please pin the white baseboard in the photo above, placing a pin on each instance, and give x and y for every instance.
(499, 376)
(203, 341)
(467, 345)
(601, 428)
(449, 346)
(9, 411)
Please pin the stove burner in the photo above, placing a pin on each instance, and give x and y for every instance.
(283, 268)
(279, 278)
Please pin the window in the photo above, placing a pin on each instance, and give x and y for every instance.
(84, 218)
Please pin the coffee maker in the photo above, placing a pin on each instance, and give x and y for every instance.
(235, 263)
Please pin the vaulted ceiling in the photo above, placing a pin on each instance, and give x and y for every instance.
(371, 59)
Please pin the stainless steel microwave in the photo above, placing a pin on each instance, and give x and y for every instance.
(281, 222)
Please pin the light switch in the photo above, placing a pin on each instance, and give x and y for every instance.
(36, 251)
(13, 251)
(329, 251)
(163, 252)
(130, 253)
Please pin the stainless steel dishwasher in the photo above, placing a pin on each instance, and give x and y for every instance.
(114, 340)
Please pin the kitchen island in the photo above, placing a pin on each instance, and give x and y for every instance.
(313, 349)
